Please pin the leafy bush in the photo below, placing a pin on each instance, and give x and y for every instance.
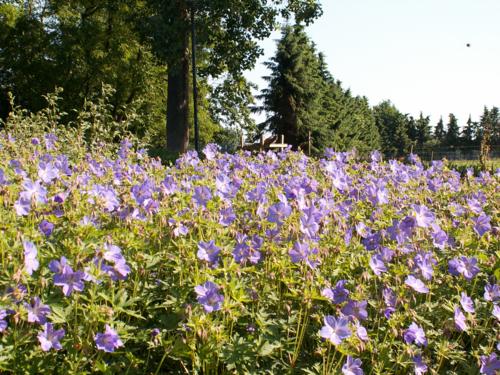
(272, 263)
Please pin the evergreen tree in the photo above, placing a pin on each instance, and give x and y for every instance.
(303, 97)
(469, 132)
(452, 136)
(439, 131)
(423, 130)
(411, 129)
(393, 129)
(292, 99)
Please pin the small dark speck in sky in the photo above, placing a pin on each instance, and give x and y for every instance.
(468, 44)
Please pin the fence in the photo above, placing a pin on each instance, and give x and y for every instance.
(455, 153)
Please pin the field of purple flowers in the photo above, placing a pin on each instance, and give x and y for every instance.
(263, 264)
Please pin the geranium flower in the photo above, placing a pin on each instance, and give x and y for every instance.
(415, 334)
(467, 267)
(467, 303)
(335, 330)
(209, 297)
(3, 321)
(30, 261)
(50, 338)
(46, 227)
(420, 365)
(424, 218)
(355, 309)
(482, 224)
(208, 251)
(66, 277)
(489, 364)
(108, 341)
(202, 195)
(338, 294)
(37, 311)
(278, 212)
(460, 320)
(302, 252)
(377, 264)
(492, 292)
(352, 366)
(416, 284)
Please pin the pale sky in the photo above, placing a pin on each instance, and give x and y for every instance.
(412, 52)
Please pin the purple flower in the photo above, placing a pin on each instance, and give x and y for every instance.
(389, 297)
(34, 190)
(489, 365)
(338, 294)
(496, 312)
(22, 206)
(352, 366)
(3, 321)
(482, 224)
(247, 249)
(302, 252)
(30, 253)
(415, 334)
(202, 195)
(377, 264)
(50, 140)
(279, 212)
(37, 311)
(47, 172)
(335, 330)
(420, 365)
(425, 263)
(209, 297)
(107, 197)
(467, 303)
(403, 230)
(49, 338)
(492, 292)
(208, 251)
(226, 217)
(416, 284)
(423, 216)
(66, 278)
(460, 320)
(361, 332)
(108, 341)
(355, 309)
(211, 151)
(467, 267)
(46, 227)
(439, 237)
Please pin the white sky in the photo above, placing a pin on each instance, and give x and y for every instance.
(412, 52)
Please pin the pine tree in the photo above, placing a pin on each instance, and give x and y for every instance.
(423, 130)
(439, 131)
(469, 132)
(452, 136)
(393, 129)
(292, 100)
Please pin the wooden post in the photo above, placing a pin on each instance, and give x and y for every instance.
(262, 142)
(242, 141)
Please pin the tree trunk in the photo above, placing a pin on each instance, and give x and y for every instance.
(178, 86)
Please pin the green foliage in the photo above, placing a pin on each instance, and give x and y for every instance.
(452, 137)
(292, 99)
(303, 98)
(393, 127)
(273, 309)
(439, 131)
